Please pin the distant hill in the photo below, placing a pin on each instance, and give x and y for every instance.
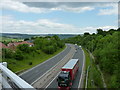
(16, 35)
(62, 36)
(23, 36)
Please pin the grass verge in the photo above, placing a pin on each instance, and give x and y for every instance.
(32, 60)
(94, 76)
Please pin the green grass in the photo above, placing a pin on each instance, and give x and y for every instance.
(94, 79)
(94, 76)
(21, 65)
(9, 39)
(87, 57)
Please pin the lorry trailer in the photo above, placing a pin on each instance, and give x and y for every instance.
(68, 74)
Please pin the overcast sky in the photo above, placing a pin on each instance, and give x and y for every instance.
(57, 17)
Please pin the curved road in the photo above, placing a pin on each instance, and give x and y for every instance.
(77, 55)
(33, 74)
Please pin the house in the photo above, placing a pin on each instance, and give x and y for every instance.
(15, 44)
(29, 43)
(3, 45)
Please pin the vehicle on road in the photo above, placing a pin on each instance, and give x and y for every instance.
(68, 74)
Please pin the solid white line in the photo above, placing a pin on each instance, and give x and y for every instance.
(41, 63)
(52, 80)
(56, 76)
(48, 70)
(82, 69)
(87, 78)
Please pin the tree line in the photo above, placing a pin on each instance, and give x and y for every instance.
(48, 45)
(105, 47)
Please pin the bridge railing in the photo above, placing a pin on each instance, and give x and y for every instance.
(8, 74)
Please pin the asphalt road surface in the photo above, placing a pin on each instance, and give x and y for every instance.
(77, 55)
(33, 74)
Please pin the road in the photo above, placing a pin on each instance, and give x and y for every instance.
(33, 74)
(77, 55)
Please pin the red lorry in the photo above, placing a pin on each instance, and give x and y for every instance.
(67, 74)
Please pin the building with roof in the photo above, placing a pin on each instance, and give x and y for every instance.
(3, 45)
(15, 44)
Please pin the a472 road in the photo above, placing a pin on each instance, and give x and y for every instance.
(32, 75)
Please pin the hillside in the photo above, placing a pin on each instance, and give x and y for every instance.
(24, 56)
(23, 36)
(105, 48)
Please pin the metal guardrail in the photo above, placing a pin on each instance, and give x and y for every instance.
(86, 84)
(6, 73)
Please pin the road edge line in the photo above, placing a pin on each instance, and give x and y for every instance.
(54, 77)
(41, 63)
(82, 69)
(48, 70)
(52, 80)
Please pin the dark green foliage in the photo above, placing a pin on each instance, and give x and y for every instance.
(19, 55)
(5, 42)
(49, 49)
(26, 39)
(49, 44)
(56, 38)
(105, 47)
(86, 33)
(30, 63)
(24, 47)
(60, 44)
(7, 53)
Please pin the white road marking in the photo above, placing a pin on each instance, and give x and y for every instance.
(82, 69)
(52, 80)
(41, 63)
(55, 77)
(48, 71)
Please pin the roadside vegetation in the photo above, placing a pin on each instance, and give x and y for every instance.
(25, 57)
(94, 78)
(105, 47)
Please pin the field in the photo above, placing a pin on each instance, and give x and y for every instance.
(18, 66)
(9, 39)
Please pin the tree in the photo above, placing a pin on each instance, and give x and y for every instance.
(19, 55)
(101, 32)
(26, 39)
(7, 53)
(56, 38)
(24, 47)
(49, 49)
(86, 33)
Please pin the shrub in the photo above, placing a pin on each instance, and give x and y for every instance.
(30, 63)
(24, 48)
(19, 55)
(7, 53)
(49, 49)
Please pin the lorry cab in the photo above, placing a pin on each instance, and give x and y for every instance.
(67, 74)
(64, 79)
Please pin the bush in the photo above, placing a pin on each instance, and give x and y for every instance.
(24, 47)
(30, 63)
(19, 55)
(49, 49)
(7, 53)
(60, 44)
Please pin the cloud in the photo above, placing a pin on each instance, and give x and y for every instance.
(109, 11)
(43, 26)
(40, 7)
(106, 8)
(44, 7)
(18, 6)
(106, 28)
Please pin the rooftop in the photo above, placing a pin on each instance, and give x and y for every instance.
(70, 64)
